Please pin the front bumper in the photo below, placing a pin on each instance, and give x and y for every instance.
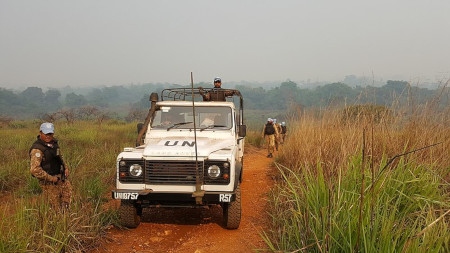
(150, 198)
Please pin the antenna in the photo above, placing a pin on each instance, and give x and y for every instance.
(198, 194)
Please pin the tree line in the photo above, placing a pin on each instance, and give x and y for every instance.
(131, 102)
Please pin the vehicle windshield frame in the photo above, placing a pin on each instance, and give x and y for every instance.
(181, 117)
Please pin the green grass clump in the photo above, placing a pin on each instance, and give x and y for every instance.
(401, 210)
(366, 179)
(35, 227)
(90, 151)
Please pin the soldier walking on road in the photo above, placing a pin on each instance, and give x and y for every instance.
(269, 133)
(49, 168)
(283, 131)
(278, 140)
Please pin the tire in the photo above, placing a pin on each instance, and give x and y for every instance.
(129, 215)
(232, 211)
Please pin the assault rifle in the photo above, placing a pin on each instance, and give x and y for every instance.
(63, 167)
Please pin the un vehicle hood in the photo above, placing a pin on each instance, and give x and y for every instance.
(179, 146)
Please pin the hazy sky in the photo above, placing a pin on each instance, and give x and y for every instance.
(54, 43)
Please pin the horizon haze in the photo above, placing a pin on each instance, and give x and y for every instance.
(110, 42)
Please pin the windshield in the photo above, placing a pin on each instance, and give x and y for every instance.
(175, 117)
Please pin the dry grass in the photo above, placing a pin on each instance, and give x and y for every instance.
(363, 179)
(330, 138)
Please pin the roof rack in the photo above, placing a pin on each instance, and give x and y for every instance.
(185, 94)
(181, 94)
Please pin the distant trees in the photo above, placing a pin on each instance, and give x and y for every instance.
(51, 100)
(74, 100)
(132, 102)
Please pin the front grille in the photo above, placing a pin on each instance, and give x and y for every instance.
(172, 172)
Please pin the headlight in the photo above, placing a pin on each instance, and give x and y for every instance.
(213, 171)
(136, 170)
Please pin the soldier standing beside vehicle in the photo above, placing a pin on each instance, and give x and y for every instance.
(269, 134)
(49, 168)
(217, 93)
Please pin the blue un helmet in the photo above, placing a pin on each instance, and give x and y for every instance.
(217, 82)
(47, 128)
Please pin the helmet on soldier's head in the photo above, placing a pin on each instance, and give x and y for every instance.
(269, 120)
(47, 128)
(217, 82)
(274, 120)
(283, 123)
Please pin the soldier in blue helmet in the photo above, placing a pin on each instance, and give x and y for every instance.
(49, 168)
(283, 131)
(217, 93)
(270, 132)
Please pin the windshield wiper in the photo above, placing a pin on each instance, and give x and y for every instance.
(210, 126)
(178, 124)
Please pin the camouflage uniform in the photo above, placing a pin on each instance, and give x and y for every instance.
(278, 139)
(270, 137)
(44, 166)
(283, 131)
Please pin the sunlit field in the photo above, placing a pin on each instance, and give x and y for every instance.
(359, 179)
(90, 150)
(364, 179)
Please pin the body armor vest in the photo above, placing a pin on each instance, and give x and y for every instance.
(270, 129)
(50, 162)
(217, 94)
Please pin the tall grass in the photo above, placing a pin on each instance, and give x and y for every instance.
(32, 226)
(363, 183)
(90, 151)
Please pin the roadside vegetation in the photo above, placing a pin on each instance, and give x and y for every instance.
(90, 149)
(364, 179)
(360, 178)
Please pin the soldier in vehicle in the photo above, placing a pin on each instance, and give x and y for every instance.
(48, 167)
(217, 93)
(269, 133)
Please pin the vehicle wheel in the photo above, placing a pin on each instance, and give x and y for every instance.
(232, 211)
(128, 214)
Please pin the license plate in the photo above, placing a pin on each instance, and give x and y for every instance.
(225, 197)
(125, 195)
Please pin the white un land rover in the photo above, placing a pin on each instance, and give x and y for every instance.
(189, 153)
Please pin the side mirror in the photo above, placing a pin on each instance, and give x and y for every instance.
(242, 130)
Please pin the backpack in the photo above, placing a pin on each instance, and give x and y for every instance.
(269, 129)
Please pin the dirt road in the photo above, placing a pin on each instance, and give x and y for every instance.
(200, 230)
